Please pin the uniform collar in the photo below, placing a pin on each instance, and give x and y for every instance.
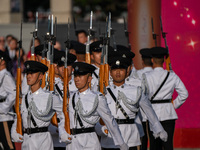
(57, 80)
(148, 68)
(158, 69)
(84, 92)
(3, 71)
(119, 87)
(36, 92)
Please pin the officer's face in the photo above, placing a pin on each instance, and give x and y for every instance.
(61, 71)
(118, 76)
(69, 70)
(82, 82)
(96, 56)
(82, 38)
(34, 78)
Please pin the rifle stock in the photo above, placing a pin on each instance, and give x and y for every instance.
(18, 89)
(44, 77)
(101, 79)
(87, 58)
(66, 101)
(18, 102)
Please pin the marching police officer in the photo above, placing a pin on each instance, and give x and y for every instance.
(37, 108)
(85, 109)
(159, 86)
(7, 100)
(124, 102)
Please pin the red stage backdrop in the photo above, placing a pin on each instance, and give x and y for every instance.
(182, 23)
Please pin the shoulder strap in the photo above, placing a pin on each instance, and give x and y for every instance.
(32, 119)
(78, 117)
(118, 105)
(95, 75)
(2, 80)
(154, 95)
(59, 91)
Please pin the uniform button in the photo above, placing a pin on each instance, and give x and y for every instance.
(122, 86)
(117, 117)
(114, 87)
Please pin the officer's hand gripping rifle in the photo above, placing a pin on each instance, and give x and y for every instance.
(34, 36)
(168, 61)
(87, 54)
(66, 87)
(18, 89)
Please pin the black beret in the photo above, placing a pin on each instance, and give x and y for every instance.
(35, 66)
(96, 46)
(4, 56)
(82, 68)
(119, 62)
(78, 47)
(146, 53)
(80, 31)
(59, 58)
(158, 52)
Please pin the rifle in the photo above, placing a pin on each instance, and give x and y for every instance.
(18, 88)
(87, 54)
(106, 66)
(45, 63)
(105, 75)
(153, 34)
(66, 87)
(51, 75)
(34, 36)
(168, 61)
(126, 34)
(48, 39)
(101, 72)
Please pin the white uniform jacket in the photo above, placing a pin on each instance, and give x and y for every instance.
(95, 104)
(135, 99)
(53, 129)
(7, 95)
(95, 79)
(38, 141)
(152, 81)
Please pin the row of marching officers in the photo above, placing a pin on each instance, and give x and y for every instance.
(134, 100)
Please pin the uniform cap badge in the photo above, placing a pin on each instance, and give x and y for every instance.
(117, 62)
(76, 68)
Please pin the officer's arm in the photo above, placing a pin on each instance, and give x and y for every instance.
(146, 106)
(57, 106)
(182, 92)
(10, 88)
(105, 113)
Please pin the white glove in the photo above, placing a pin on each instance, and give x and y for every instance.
(163, 136)
(16, 137)
(124, 147)
(65, 137)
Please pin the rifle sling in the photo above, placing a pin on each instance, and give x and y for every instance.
(78, 117)
(32, 119)
(95, 75)
(154, 95)
(118, 105)
(59, 91)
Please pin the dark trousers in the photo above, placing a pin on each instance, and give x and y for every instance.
(59, 148)
(130, 148)
(5, 136)
(145, 137)
(158, 144)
